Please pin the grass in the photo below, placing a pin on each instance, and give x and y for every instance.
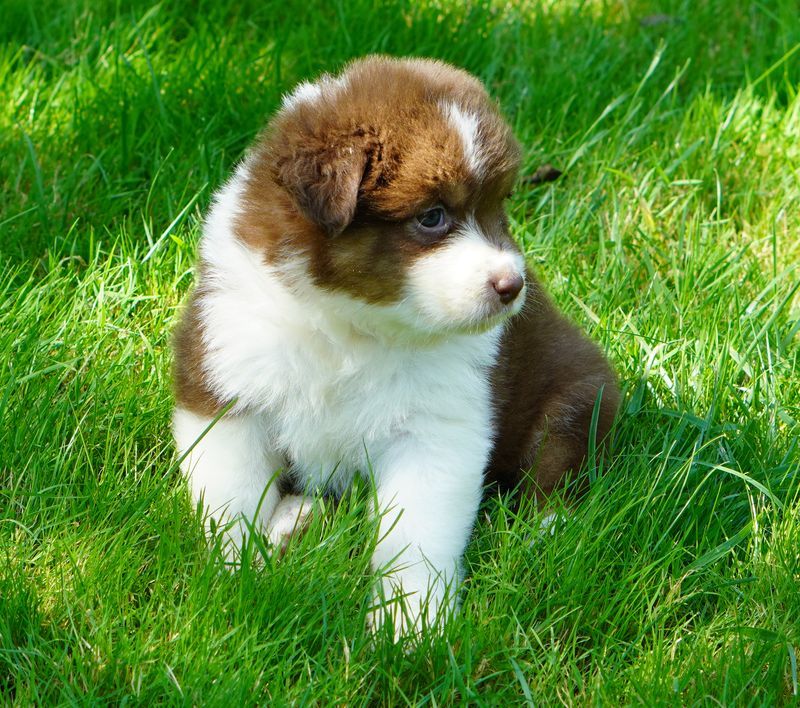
(674, 238)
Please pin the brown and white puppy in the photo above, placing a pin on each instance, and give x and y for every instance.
(362, 308)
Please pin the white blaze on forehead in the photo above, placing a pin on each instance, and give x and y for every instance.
(452, 286)
(466, 125)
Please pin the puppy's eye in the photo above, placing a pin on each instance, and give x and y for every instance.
(434, 222)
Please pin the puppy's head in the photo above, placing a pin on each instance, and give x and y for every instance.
(389, 183)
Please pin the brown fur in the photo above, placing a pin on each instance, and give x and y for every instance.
(191, 389)
(340, 175)
(337, 179)
(545, 384)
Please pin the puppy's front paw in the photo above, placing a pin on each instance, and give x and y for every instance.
(290, 519)
(410, 612)
(548, 525)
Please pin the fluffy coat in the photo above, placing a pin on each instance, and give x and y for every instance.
(361, 308)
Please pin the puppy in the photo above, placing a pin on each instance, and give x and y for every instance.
(361, 308)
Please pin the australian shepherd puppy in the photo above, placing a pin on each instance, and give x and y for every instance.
(361, 308)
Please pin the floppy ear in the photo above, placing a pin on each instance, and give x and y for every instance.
(324, 182)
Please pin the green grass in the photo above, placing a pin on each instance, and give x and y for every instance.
(674, 238)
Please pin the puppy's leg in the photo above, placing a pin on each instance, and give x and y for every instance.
(547, 382)
(428, 500)
(289, 519)
(560, 439)
(231, 469)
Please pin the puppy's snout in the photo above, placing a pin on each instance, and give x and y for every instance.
(507, 285)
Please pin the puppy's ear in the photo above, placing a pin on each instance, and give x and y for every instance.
(324, 182)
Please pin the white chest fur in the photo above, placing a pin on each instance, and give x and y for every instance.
(335, 398)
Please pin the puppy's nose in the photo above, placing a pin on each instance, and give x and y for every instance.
(507, 286)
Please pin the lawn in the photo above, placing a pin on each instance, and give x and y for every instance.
(673, 237)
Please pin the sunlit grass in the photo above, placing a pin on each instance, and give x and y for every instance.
(673, 238)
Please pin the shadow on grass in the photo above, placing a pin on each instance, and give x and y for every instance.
(122, 118)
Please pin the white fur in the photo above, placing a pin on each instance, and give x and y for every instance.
(452, 287)
(290, 516)
(229, 468)
(549, 524)
(307, 92)
(466, 125)
(329, 386)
